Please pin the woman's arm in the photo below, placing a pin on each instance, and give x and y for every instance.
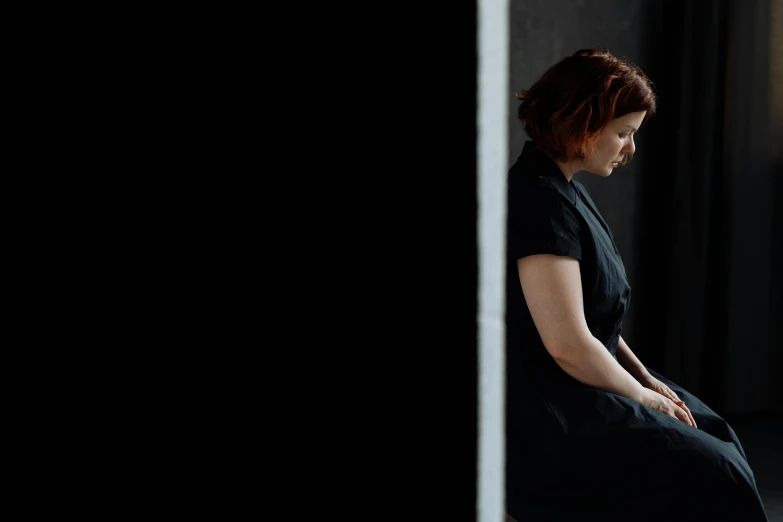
(629, 361)
(552, 287)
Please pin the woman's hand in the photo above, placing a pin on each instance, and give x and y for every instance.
(663, 404)
(682, 405)
(651, 383)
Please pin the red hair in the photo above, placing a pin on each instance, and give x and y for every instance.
(569, 106)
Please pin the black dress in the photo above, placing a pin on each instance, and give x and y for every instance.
(574, 452)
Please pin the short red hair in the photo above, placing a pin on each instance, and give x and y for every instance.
(569, 106)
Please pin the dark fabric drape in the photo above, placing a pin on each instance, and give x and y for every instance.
(708, 223)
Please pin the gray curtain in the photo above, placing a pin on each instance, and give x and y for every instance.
(708, 295)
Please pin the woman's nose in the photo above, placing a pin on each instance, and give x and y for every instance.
(630, 148)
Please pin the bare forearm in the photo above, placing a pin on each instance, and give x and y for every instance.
(629, 361)
(591, 363)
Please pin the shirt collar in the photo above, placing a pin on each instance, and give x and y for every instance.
(538, 163)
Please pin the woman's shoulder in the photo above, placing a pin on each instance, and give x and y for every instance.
(529, 192)
(528, 181)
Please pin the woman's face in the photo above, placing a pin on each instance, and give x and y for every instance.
(614, 142)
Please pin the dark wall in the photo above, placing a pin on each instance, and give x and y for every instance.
(340, 382)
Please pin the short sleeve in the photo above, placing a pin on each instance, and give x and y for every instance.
(541, 222)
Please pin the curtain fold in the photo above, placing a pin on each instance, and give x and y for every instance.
(707, 215)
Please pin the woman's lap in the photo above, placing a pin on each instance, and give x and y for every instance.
(610, 447)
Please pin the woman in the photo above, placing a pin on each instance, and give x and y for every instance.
(592, 434)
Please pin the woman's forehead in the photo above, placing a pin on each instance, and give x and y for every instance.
(632, 119)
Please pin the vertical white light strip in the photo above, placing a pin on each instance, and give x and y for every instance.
(492, 165)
